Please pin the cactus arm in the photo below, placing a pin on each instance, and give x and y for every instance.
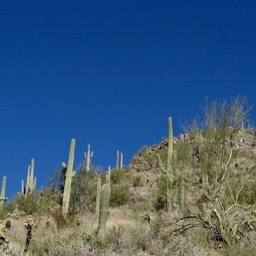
(160, 164)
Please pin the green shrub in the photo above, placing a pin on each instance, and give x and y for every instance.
(137, 181)
(119, 195)
(7, 208)
(28, 204)
(83, 192)
(118, 176)
(160, 195)
(183, 152)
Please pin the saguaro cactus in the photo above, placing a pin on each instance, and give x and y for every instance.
(108, 175)
(168, 170)
(69, 174)
(22, 187)
(2, 197)
(31, 180)
(88, 157)
(98, 199)
(119, 160)
(104, 201)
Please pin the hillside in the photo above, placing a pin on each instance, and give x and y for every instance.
(194, 194)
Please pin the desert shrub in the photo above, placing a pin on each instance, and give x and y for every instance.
(118, 176)
(65, 245)
(8, 207)
(231, 113)
(83, 188)
(136, 181)
(119, 195)
(129, 241)
(218, 117)
(29, 203)
(56, 183)
(160, 201)
(83, 191)
(183, 152)
(41, 201)
(238, 250)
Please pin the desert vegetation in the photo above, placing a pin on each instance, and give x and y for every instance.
(194, 194)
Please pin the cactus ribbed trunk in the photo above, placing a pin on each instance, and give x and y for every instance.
(119, 160)
(22, 187)
(108, 175)
(168, 171)
(104, 201)
(68, 179)
(2, 197)
(98, 199)
(27, 182)
(31, 180)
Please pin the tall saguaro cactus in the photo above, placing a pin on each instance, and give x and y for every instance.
(104, 201)
(2, 196)
(119, 160)
(98, 199)
(31, 180)
(168, 171)
(88, 157)
(68, 178)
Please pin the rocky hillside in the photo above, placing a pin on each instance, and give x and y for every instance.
(211, 210)
(144, 163)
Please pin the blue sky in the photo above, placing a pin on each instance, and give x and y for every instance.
(109, 73)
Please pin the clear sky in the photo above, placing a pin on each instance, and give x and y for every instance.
(109, 73)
